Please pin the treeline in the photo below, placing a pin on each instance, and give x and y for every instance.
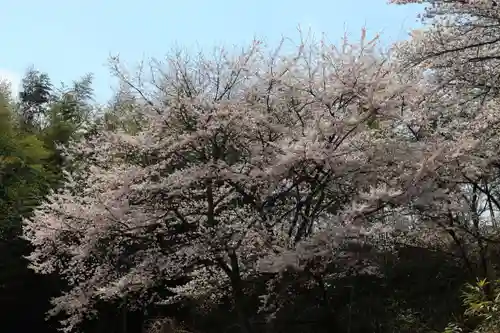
(339, 188)
(32, 127)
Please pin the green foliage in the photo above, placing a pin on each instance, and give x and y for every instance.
(34, 98)
(31, 131)
(24, 178)
(69, 113)
(36, 88)
(482, 309)
(30, 135)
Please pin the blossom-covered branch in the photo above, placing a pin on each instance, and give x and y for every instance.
(242, 164)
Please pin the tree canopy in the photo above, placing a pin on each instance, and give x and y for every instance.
(340, 187)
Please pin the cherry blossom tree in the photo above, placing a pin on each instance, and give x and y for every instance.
(458, 47)
(243, 164)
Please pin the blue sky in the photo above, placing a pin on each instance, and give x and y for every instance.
(67, 39)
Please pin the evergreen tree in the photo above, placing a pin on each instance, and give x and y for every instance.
(34, 98)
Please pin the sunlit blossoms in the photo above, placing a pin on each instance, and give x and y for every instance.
(243, 165)
(459, 50)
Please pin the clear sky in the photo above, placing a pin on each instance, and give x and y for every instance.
(67, 39)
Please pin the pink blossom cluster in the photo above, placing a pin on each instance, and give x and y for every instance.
(252, 164)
